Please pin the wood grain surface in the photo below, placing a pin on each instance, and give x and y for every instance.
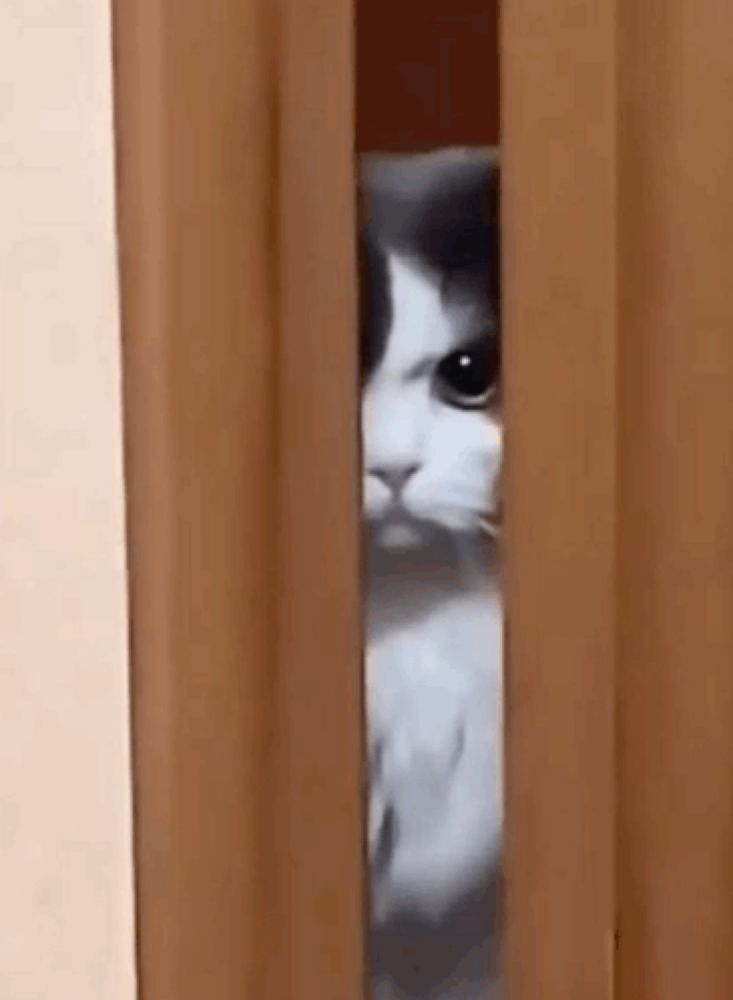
(559, 371)
(675, 668)
(235, 133)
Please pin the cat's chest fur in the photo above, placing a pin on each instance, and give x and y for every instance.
(434, 632)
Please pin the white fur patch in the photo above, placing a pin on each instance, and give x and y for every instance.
(452, 454)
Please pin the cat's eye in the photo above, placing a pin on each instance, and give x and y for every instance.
(467, 378)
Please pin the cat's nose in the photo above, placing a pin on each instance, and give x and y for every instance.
(395, 477)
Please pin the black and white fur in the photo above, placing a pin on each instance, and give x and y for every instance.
(431, 468)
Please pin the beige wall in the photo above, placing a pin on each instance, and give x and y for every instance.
(66, 929)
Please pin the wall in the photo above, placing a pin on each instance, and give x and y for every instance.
(66, 924)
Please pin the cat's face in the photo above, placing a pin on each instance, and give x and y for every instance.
(430, 421)
(430, 407)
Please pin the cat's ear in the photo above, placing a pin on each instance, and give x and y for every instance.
(442, 206)
(411, 177)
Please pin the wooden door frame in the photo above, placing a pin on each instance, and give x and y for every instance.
(235, 175)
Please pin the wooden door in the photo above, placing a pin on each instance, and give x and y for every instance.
(236, 251)
(235, 189)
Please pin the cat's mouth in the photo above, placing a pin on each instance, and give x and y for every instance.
(401, 528)
(398, 529)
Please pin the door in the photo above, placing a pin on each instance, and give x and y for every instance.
(236, 138)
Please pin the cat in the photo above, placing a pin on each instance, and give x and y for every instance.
(431, 447)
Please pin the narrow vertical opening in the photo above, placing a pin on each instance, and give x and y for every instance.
(431, 434)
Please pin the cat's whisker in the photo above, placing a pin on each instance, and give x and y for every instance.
(490, 525)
